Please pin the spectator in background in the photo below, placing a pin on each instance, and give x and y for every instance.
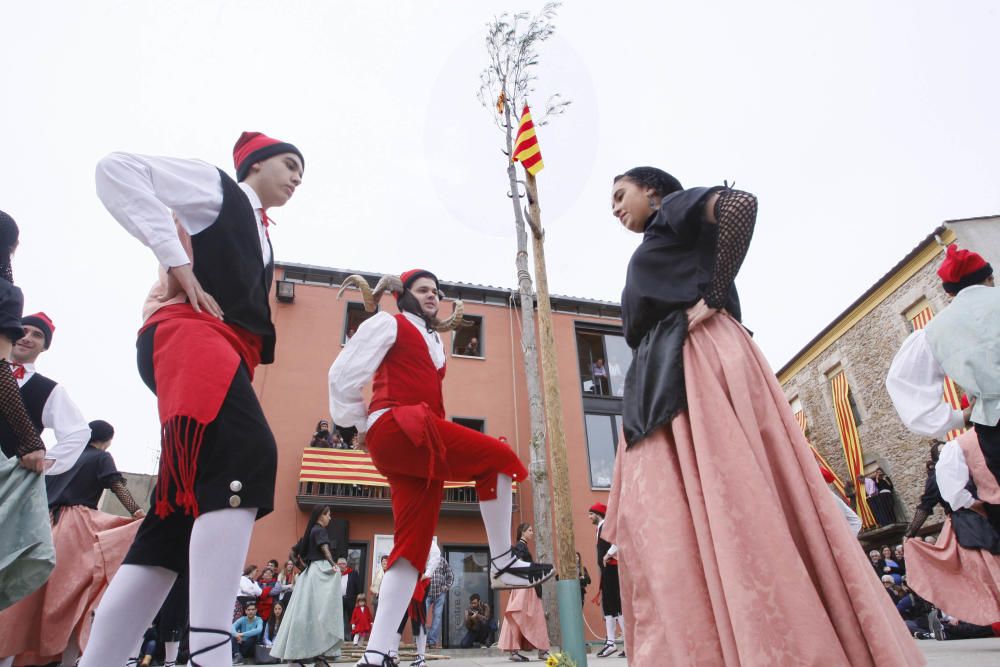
(377, 582)
(477, 623)
(890, 566)
(584, 576)
(441, 581)
(269, 590)
(875, 557)
(890, 587)
(249, 590)
(322, 437)
(883, 501)
(271, 626)
(900, 560)
(361, 619)
(472, 348)
(247, 631)
(599, 372)
(287, 581)
(350, 588)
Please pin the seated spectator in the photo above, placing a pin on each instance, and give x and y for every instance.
(890, 588)
(890, 566)
(287, 581)
(249, 590)
(247, 631)
(478, 624)
(900, 560)
(263, 650)
(148, 649)
(322, 437)
(269, 591)
(877, 563)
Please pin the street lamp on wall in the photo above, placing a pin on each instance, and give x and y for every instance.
(285, 291)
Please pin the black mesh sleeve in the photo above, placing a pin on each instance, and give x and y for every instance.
(736, 214)
(120, 489)
(12, 407)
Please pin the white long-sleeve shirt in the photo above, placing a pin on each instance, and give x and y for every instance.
(358, 361)
(71, 430)
(916, 385)
(141, 190)
(952, 474)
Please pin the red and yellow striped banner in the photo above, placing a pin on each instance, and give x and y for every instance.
(951, 395)
(851, 441)
(800, 417)
(346, 466)
(526, 149)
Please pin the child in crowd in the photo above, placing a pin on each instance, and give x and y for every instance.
(361, 619)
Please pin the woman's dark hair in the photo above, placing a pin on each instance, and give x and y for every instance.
(321, 422)
(100, 431)
(9, 234)
(935, 454)
(660, 181)
(521, 527)
(408, 303)
(248, 569)
(303, 544)
(274, 622)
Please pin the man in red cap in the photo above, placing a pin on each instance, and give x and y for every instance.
(197, 353)
(417, 448)
(962, 342)
(611, 598)
(47, 402)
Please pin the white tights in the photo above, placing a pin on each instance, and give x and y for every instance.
(219, 543)
(394, 596)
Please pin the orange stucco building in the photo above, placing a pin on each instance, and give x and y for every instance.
(484, 388)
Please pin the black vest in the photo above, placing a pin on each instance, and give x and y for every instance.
(602, 547)
(35, 394)
(230, 266)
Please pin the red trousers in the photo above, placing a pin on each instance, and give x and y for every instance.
(418, 468)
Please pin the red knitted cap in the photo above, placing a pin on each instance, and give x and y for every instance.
(962, 268)
(41, 321)
(252, 147)
(599, 508)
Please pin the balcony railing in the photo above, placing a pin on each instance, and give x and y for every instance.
(347, 480)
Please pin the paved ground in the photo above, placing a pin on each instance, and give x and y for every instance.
(965, 653)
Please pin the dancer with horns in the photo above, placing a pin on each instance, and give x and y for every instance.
(415, 447)
(758, 566)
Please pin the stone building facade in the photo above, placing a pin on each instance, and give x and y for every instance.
(862, 342)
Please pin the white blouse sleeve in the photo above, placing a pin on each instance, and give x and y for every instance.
(70, 427)
(432, 561)
(952, 476)
(355, 366)
(916, 386)
(140, 191)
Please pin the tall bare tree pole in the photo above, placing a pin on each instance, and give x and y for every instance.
(511, 42)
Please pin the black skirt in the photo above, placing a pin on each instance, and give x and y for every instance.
(654, 390)
(237, 466)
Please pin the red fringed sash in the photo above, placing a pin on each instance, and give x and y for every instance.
(195, 357)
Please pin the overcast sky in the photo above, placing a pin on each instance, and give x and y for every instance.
(860, 125)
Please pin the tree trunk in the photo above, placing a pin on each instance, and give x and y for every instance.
(566, 552)
(538, 468)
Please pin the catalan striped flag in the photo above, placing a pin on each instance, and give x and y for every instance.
(526, 149)
(951, 395)
(851, 441)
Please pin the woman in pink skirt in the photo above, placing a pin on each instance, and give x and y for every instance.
(524, 618)
(755, 565)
